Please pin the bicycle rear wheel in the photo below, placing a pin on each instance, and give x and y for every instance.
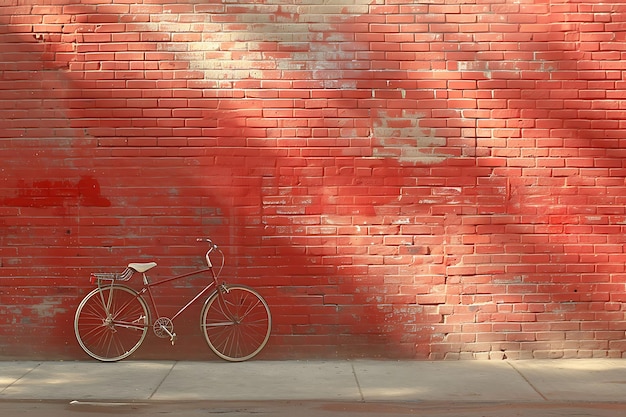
(111, 322)
(236, 323)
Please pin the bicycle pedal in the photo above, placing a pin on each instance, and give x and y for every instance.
(173, 339)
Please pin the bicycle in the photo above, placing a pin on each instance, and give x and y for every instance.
(112, 321)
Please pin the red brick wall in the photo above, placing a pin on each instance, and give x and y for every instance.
(420, 178)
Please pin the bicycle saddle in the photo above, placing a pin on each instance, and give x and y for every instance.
(142, 267)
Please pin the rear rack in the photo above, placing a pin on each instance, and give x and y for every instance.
(111, 276)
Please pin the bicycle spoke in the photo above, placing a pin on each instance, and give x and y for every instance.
(236, 323)
(111, 323)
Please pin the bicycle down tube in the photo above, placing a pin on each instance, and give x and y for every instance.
(148, 289)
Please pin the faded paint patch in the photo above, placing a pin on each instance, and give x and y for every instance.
(48, 308)
(401, 137)
(244, 41)
(62, 193)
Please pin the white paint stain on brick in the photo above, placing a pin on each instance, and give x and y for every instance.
(402, 138)
(305, 36)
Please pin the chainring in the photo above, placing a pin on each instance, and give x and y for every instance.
(160, 325)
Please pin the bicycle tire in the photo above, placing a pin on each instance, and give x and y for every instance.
(114, 336)
(236, 322)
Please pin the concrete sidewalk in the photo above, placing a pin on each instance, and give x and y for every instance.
(537, 381)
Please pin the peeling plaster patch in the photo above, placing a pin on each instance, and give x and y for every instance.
(266, 37)
(400, 137)
(48, 308)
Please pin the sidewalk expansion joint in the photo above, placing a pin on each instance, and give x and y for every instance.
(528, 381)
(156, 389)
(358, 384)
(20, 378)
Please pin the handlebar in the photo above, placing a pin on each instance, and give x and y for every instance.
(207, 240)
(211, 249)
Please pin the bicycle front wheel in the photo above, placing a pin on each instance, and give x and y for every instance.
(111, 322)
(236, 323)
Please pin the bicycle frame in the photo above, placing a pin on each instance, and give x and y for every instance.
(147, 287)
